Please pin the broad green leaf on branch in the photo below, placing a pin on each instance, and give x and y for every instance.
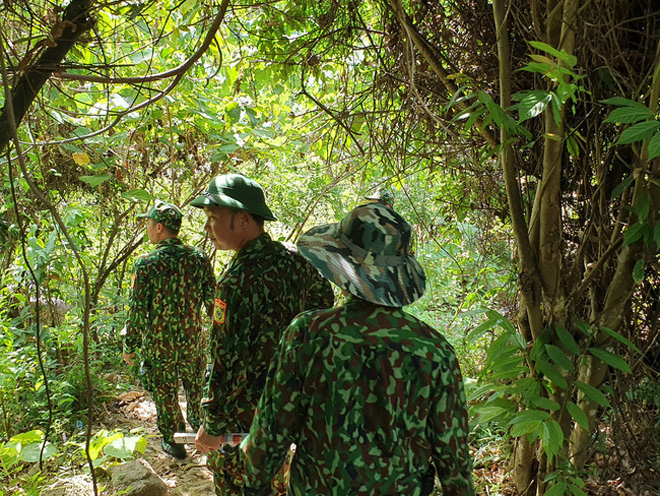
(551, 372)
(638, 132)
(137, 195)
(593, 393)
(552, 437)
(558, 356)
(578, 415)
(620, 338)
(654, 146)
(638, 271)
(629, 114)
(567, 340)
(95, 180)
(610, 359)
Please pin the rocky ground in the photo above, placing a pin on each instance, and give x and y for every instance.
(134, 410)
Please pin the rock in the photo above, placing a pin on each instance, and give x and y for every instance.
(136, 478)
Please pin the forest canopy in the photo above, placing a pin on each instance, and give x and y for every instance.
(520, 139)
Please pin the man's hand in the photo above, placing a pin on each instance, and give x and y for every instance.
(128, 358)
(204, 442)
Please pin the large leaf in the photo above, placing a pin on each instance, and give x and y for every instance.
(558, 356)
(554, 375)
(32, 452)
(629, 115)
(533, 103)
(567, 340)
(638, 132)
(592, 393)
(654, 146)
(610, 359)
(137, 195)
(552, 437)
(95, 180)
(578, 415)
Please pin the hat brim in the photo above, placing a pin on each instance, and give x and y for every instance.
(220, 200)
(388, 285)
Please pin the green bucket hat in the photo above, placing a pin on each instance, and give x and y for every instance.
(367, 255)
(237, 192)
(382, 195)
(166, 213)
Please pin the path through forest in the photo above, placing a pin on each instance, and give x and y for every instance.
(131, 410)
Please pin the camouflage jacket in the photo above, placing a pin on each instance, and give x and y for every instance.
(264, 287)
(170, 284)
(370, 395)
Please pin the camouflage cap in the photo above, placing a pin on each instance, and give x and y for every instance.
(237, 192)
(382, 195)
(166, 213)
(367, 255)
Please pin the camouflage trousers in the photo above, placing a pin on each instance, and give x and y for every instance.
(163, 384)
(228, 470)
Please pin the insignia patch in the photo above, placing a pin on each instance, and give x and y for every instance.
(220, 311)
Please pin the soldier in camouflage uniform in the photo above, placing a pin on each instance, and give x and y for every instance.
(264, 287)
(371, 396)
(170, 285)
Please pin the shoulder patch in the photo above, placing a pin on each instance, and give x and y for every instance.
(219, 311)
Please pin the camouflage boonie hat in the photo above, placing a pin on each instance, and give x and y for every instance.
(237, 192)
(367, 255)
(382, 195)
(166, 213)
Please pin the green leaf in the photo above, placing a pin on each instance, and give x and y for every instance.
(629, 115)
(595, 395)
(610, 359)
(638, 132)
(618, 101)
(137, 195)
(549, 371)
(567, 340)
(656, 233)
(546, 404)
(526, 428)
(575, 490)
(530, 415)
(638, 271)
(559, 489)
(480, 330)
(578, 415)
(32, 452)
(122, 448)
(552, 437)
(633, 233)
(533, 104)
(654, 146)
(570, 60)
(558, 356)
(95, 180)
(620, 338)
(622, 186)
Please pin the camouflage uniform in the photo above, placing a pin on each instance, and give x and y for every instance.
(262, 290)
(387, 398)
(169, 286)
(372, 397)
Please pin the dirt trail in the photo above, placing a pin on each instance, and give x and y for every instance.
(131, 410)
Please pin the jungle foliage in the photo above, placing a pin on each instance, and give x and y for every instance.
(521, 139)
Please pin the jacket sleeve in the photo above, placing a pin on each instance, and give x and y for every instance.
(230, 354)
(139, 308)
(208, 285)
(280, 411)
(318, 294)
(448, 430)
